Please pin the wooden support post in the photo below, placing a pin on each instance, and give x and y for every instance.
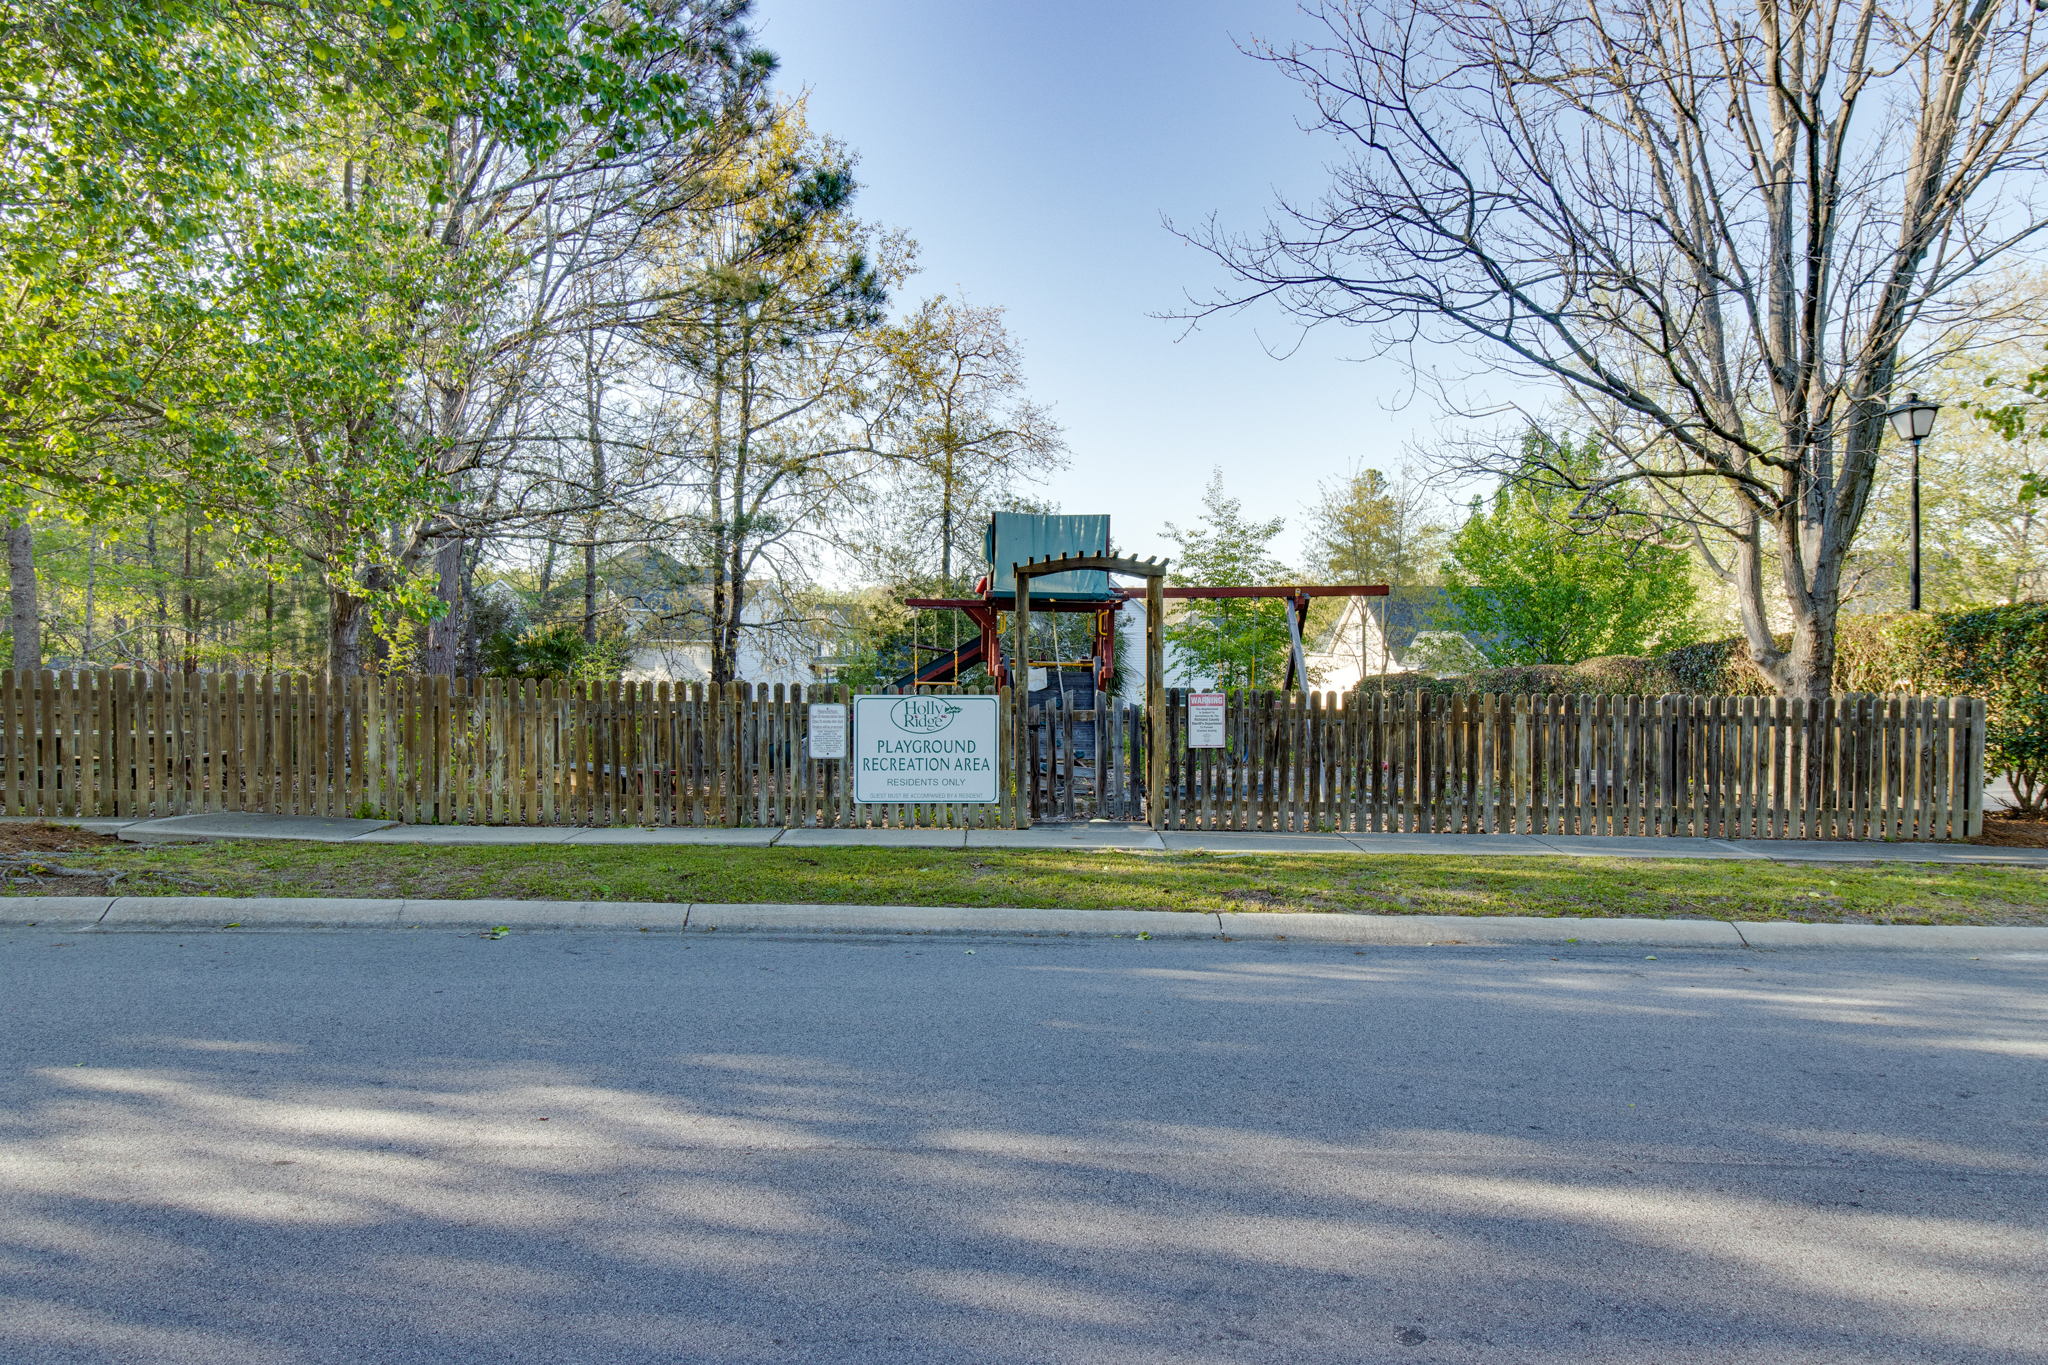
(1020, 688)
(1155, 701)
(1297, 663)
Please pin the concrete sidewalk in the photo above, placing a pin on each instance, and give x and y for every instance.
(188, 913)
(1094, 834)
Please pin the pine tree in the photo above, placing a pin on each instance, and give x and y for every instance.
(1235, 642)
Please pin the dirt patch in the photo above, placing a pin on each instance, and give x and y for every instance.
(2013, 831)
(35, 860)
(43, 837)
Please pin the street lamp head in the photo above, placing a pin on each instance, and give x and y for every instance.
(1913, 419)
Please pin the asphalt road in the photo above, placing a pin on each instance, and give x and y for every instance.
(617, 1148)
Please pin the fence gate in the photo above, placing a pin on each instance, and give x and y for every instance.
(1086, 763)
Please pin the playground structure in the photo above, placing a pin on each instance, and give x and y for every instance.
(1018, 538)
(1093, 754)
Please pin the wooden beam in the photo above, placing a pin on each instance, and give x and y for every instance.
(1297, 665)
(1271, 590)
(1134, 568)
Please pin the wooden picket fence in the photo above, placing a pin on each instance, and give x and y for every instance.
(430, 750)
(490, 751)
(1884, 766)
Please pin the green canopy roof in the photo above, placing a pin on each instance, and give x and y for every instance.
(1014, 537)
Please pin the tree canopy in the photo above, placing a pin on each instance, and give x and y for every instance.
(1533, 580)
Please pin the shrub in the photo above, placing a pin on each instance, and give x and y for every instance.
(554, 653)
(2001, 655)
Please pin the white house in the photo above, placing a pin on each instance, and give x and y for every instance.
(666, 608)
(1398, 633)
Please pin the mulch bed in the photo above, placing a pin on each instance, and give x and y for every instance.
(42, 837)
(2005, 830)
(32, 860)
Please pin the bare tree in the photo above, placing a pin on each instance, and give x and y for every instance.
(1728, 227)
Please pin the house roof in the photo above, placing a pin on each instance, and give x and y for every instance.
(1408, 612)
(1404, 612)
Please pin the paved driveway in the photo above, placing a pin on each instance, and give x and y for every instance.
(383, 1147)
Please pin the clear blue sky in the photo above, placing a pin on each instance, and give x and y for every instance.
(1032, 149)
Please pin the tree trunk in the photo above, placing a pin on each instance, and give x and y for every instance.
(547, 567)
(163, 602)
(188, 608)
(593, 414)
(946, 522)
(92, 567)
(590, 588)
(445, 633)
(346, 616)
(469, 661)
(24, 611)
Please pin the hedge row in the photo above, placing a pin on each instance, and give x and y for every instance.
(1997, 653)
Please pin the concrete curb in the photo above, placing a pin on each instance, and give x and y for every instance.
(124, 913)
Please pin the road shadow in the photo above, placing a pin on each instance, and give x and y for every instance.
(625, 1148)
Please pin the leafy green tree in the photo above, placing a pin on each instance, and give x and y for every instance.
(1538, 578)
(1237, 642)
(970, 432)
(206, 196)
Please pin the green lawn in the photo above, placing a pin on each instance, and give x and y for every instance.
(1092, 880)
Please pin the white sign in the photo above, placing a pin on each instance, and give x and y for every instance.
(926, 749)
(1205, 720)
(828, 729)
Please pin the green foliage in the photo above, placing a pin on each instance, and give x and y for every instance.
(224, 276)
(1534, 583)
(2001, 655)
(555, 653)
(1241, 642)
(1608, 676)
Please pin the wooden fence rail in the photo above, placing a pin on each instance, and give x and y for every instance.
(489, 751)
(1851, 767)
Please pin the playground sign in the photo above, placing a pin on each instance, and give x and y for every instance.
(828, 729)
(1205, 720)
(926, 748)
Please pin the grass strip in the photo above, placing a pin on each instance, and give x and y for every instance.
(1911, 893)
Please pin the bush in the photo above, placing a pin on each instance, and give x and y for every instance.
(554, 653)
(1613, 675)
(2001, 655)
(1715, 668)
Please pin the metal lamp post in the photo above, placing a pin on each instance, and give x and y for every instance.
(1913, 420)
